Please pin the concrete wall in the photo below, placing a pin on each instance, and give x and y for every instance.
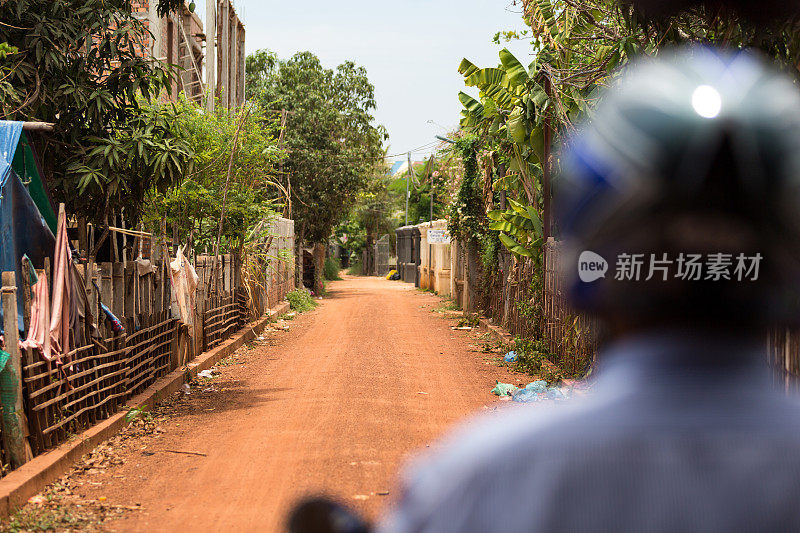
(435, 261)
(230, 56)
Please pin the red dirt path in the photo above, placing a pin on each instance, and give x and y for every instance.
(333, 405)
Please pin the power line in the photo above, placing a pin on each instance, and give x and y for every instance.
(418, 149)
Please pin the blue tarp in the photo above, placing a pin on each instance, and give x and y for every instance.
(9, 139)
(22, 228)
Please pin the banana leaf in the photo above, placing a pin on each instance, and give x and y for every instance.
(514, 246)
(473, 106)
(516, 126)
(466, 68)
(487, 76)
(516, 73)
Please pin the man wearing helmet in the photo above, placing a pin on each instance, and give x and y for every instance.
(687, 183)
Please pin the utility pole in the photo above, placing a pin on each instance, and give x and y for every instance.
(431, 277)
(408, 177)
(430, 180)
(211, 58)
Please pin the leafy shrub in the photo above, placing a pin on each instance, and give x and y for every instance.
(530, 354)
(355, 268)
(332, 267)
(300, 301)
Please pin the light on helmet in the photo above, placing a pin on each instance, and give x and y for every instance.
(706, 101)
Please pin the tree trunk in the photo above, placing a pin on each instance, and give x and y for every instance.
(319, 268)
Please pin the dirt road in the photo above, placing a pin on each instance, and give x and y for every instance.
(334, 405)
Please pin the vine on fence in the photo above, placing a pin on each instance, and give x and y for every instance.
(467, 217)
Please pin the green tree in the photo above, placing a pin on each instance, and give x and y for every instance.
(193, 208)
(329, 136)
(579, 47)
(82, 65)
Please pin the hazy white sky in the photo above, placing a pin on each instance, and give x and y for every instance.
(410, 48)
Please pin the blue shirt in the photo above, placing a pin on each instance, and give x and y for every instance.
(680, 433)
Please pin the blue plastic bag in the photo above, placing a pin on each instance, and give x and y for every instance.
(525, 396)
(510, 357)
(554, 393)
(537, 386)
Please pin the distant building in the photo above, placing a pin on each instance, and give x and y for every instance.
(400, 168)
(180, 39)
(396, 166)
(230, 33)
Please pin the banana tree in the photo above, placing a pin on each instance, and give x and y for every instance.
(520, 228)
(518, 110)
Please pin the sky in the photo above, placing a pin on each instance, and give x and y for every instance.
(410, 48)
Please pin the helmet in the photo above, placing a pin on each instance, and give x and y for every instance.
(691, 160)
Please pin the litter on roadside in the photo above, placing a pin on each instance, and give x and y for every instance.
(207, 374)
(510, 357)
(537, 386)
(538, 391)
(503, 389)
(462, 328)
(525, 396)
(38, 500)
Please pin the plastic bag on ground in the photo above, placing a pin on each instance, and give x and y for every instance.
(555, 393)
(503, 389)
(510, 357)
(537, 386)
(525, 395)
(537, 391)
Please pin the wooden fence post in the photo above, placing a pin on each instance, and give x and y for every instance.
(118, 290)
(15, 425)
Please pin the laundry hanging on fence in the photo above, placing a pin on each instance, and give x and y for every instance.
(184, 286)
(39, 330)
(63, 301)
(116, 325)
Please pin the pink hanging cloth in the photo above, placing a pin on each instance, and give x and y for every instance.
(39, 330)
(62, 289)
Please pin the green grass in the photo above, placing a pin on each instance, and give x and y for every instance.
(447, 305)
(332, 267)
(300, 301)
(470, 320)
(47, 519)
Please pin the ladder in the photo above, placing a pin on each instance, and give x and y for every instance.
(195, 69)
